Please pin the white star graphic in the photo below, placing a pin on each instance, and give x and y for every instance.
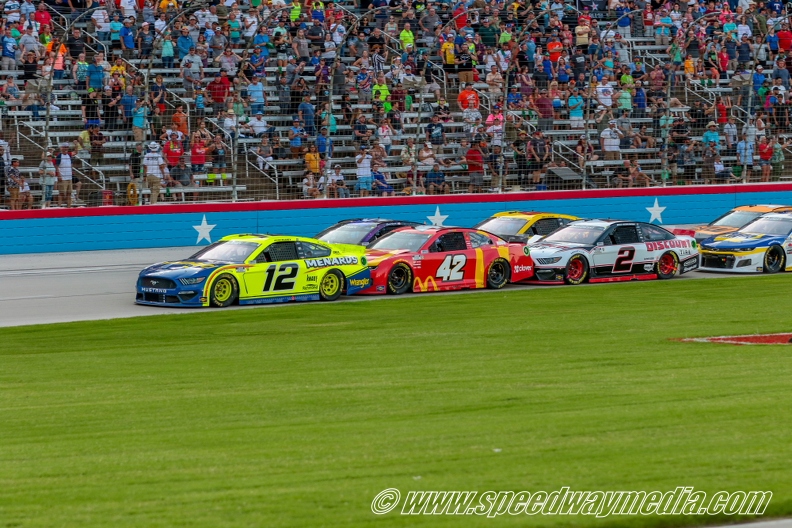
(656, 211)
(437, 219)
(204, 231)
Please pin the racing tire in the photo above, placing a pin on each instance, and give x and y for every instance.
(400, 279)
(667, 265)
(331, 286)
(498, 274)
(577, 270)
(132, 193)
(774, 259)
(224, 291)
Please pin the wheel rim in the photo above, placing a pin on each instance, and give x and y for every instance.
(497, 273)
(772, 260)
(668, 264)
(576, 269)
(330, 284)
(398, 277)
(223, 290)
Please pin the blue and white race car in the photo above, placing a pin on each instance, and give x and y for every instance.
(361, 231)
(764, 245)
(612, 251)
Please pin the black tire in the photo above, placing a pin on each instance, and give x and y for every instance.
(667, 265)
(400, 279)
(331, 286)
(224, 291)
(577, 270)
(498, 274)
(774, 259)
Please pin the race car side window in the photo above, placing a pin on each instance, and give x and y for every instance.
(280, 251)
(384, 231)
(653, 233)
(308, 250)
(545, 226)
(624, 234)
(450, 242)
(479, 240)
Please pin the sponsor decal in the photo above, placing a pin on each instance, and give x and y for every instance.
(154, 290)
(667, 244)
(380, 288)
(327, 261)
(759, 268)
(420, 257)
(522, 269)
(311, 278)
(359, 282)
(648, 267)
(424, 286)
(310, 287)
(689, 264)
(526, 250)
(240, 270)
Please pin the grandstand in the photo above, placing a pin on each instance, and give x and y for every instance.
(672, 89)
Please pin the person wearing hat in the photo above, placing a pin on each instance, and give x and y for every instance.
(297, 136)
(336, 187)
(610, 141)
(155, 169)
(711, 135)
(662, 28)
(47, 179)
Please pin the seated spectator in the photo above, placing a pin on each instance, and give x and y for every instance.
(309, 185)
(379, 183)
(436, 182)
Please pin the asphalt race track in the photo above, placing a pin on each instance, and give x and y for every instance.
(92, 285)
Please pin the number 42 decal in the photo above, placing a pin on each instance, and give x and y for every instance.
(452, 268)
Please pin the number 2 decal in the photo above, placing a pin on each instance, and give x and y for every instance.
(452, 268)
(285, 280)
(624, 260)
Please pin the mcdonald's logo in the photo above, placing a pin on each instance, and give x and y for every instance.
(419, 286)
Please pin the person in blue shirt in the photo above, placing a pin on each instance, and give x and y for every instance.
(324, 144)
(8, 61)
(307, 113)
(435, 181)
(758, 78)
(139, 115)
(772, 42)
(258, 61)
(256, 94)
(379, 184)
(745, 152)
(576, 107)
(296, 136)
(639, 100)
(95, 76)
(184, 43)
(711, 135)
(624, 20)
(128, 102)
(127, 37)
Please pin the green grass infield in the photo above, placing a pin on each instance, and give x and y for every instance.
(300, 415)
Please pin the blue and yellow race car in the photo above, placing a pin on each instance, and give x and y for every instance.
(764, 245)
(256, 269)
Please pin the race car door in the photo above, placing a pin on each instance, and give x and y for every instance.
(275, 272)
(620, 251)
(450, 264)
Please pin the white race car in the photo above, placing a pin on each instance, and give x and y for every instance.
(611, 251)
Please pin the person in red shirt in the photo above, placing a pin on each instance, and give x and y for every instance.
(42, 16)
(460, 19)
(198, 158)
(172, 151)
(765, 157)
(218, 91)
(784, 38)
(475, 163)
(585, 18)
(554, 47)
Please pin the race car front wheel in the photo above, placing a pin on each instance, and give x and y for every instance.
(225, 291)
(576, 270)
(400, 279)
(667, 265)
(774, 259)
(331, 285)
(498, 274)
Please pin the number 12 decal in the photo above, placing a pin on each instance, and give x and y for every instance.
(285, 280)
(624, 260)
(452, 268)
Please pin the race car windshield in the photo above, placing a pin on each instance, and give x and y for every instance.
(399, 240)
(346, 234)
(503, 226)
(576, 235)
(736, 219)
(768, 226)
(232, 251)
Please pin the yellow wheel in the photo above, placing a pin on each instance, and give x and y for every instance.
(132, 194)
(331, 285)
(224, 292)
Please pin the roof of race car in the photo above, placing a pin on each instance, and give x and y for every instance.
(367, 221)
(601, 222)
(762, 208)
(783, 215)
(529, 215)
(257, 237)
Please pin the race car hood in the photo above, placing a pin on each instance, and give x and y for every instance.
(184, 268)
(375, 257)
(740, 241)
(706, 231)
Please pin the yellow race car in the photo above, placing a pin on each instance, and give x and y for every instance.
(524, 226)
(733, 220)
(256, 269)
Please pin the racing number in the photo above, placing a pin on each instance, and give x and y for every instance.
(285, 279)
(624, 260)
(452, 268)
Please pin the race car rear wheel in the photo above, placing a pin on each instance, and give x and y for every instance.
(331, 285)
(774, 259)
(667, 265)
(224, 292)
(498, 274)
(576, 270)
(400, 279)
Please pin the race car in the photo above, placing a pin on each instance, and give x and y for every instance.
(611, 251)
(360, 231)
(256, 269)
(435, 258)
(528, 226)
(763, 245)
(733, 220)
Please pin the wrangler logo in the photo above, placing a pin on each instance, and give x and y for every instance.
(359, 282)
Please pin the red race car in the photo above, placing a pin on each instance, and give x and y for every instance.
(432, 258)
